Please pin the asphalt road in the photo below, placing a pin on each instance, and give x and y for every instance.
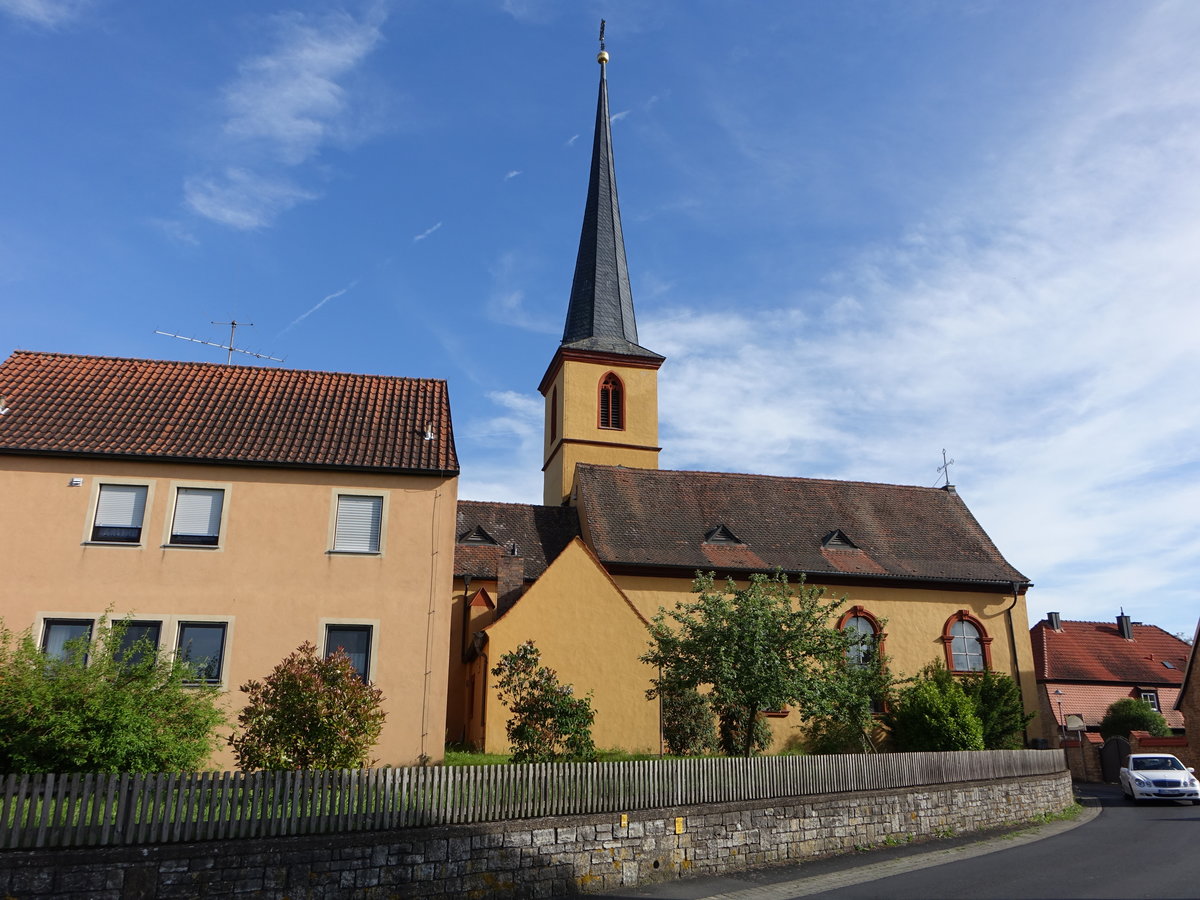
(1118, 851)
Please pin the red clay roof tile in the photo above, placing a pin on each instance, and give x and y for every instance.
(204, 412)
(1096, 652)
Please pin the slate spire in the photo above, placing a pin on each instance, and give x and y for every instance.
(600, 315)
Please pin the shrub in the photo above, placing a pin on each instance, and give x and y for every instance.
(101, 708)
(311, 712)
(934, 713)
(687, 721)
(549, 723)
(1130, 714)
(998, 704)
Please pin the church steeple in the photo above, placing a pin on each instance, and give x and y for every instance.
(600, 315)
(601, 388)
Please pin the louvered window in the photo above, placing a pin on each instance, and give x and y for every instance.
(197, 518)
(612, 402)
(358, 524)
(120, 509)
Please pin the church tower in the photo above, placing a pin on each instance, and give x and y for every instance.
(601, 387)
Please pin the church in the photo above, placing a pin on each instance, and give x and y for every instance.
(616, 538)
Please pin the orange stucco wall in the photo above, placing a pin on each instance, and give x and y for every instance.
(915, 619)
(591, 636)
(576, 388)
(272, 577)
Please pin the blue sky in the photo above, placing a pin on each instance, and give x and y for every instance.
(860, 232)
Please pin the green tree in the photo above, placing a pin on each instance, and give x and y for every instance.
(1130, 714)
(311, 712)
(549, 723)
(687, 721)
(102, 707)
(765, 646)
(851, 727)
(934, 713)
(998, 704)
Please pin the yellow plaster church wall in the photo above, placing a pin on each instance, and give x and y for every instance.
(591, 636)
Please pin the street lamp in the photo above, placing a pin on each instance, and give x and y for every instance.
(1062, 720)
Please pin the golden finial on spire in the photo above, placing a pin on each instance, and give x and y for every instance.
(602, 56)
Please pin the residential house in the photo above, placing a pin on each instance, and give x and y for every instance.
(1188, 705)
(1082, 668)
(235, 513)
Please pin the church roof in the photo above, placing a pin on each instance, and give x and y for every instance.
(652, 519)
(600, 316)
(95, 406)
(1096, 652)
(485, 531)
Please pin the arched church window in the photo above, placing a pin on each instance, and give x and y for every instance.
(612, 402)
(554, 413)
(866, 636)
(968, 648)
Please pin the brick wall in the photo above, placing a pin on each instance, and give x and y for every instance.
(1142, 742)
(1083, 757)
(534, 857)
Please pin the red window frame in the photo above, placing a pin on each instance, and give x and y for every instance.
(610, 406)
(947, 639)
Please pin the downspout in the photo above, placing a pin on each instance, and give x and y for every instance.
(1012, 646)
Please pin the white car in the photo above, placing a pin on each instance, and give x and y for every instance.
(1158, 776)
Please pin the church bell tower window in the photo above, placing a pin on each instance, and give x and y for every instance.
(612, 402)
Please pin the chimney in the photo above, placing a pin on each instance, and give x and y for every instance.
(1055, 620)
(1125, 626)
(510, 578)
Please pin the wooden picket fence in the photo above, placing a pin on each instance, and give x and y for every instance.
(110, 810)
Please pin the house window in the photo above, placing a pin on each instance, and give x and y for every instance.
(120, 509)
(359, 519)
(135, 632)
(197, 520)
(203, 645)
(56, 634)
(612, 402)
(967, 646)
(1151, 697)
(355, 640)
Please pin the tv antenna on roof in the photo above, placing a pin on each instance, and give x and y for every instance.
(944, 468)
(229, 348)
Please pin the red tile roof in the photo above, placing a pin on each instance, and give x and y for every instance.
(1096, 652)
(152, 409)
(540, 533)
(653, 518)
(1091, 701)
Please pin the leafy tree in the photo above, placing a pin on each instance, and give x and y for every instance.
(998, 704)
(311, 712)
(765, 646)
(549, 723)
(934, 713)
(852, 727)
(101, 707)
(687, 721)
(1130, 714)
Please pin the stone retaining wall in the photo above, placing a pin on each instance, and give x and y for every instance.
(535, 857)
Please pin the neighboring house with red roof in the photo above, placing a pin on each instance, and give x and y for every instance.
(1188, 704)
(909, 560)
(235, 512)
(1083, 668)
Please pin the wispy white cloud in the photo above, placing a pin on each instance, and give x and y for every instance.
(318, 305)
(618, 116)
(512, 473)
(46, 13)
(506, 303)
(1043, 328)
(426, 233)
(282, 109)
(241, 198)
(513, 173)
(571, 140)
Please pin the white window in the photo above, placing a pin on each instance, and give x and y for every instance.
(1151, 697)
(203, 645)
(120, 509)
(862, 642)
(58, 632)
(358, 525)
(965, 649)
(355, 642)
(197, 516)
